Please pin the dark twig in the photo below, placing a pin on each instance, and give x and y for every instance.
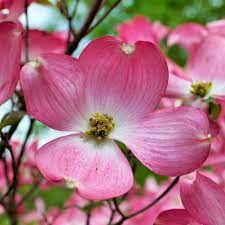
(90, 17)
(45, 218)
(104, 16)
(6, 170)
(75, 9)
(113, 211)
(21, 155)
(8, 146)
(27, 32)
(118, 208)
(30, 192)
(25, 142)
(88, 218)
(164, 193)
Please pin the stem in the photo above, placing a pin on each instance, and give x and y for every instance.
(88, 218)
(113, 211)
(118, 208)
(30, 192)
(6, 170)
(75, 8)
(164, 193)
(90, 17)
(13, 218)
(104, 16)
(8, 146)
(11, 207)
(21, 156)
(27, 32)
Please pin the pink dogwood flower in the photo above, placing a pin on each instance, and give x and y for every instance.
(205, 69)
(44, 42)
(137, 200)
(141, 29)
(35, 215)
(109, 94)
(217, 27)
(189, 35)
(10, 50)
(204, 203)
(10, 10)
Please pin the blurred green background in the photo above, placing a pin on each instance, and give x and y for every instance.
(169, 12)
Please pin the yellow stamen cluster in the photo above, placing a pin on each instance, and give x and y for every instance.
(101, 125)
(201, 89)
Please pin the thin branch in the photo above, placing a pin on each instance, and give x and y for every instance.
(6, 170)
(69, 19)
(27, 32)
(45, 218)
(90, 17)
(118, 208)
(88, 218)
(30, 192)
(92, 13)
(75, 9)
(15, 180)
(164, 193)
(113, 211)
(104, 16)
(10, 188)
(25, 142)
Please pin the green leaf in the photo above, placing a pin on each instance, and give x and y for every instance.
(44, 2)
(89, 207)
(209, 100)
(142, 173)
(11, 118)
(214, 110)
(178, 54)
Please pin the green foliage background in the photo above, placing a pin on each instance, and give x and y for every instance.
(169, 12)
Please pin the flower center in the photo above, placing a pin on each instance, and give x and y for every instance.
(101, 125)
(201, 89)
(127, 48)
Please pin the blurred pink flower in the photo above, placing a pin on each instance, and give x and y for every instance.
(44, 42)
(10, 10)
(10, 48)
(205, 69)
(37, 214)
(204, 203)
(141, 29)
(190, 35)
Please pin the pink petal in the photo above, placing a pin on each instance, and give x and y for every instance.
(207, 64)
(160, 30)
(130, 83)
(176, 70)
(53, 91)
(171, 142)
(217, 27)
(204, 200)
(175, 217)
(15, 7)
(178, 87)
(187, 35)
(138, 29)
(42, 42)
(98, 170)
(10, 48)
